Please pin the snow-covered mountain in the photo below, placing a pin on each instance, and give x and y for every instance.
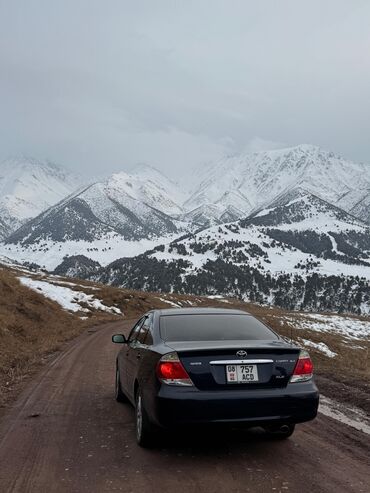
(127, 213)
(301, 252)
(131, 212)
(4, 229)
(357, 202)
(28, 187)
(151, 186)
(130, 205)
(209, 214)
(252, 180)
(298, 230)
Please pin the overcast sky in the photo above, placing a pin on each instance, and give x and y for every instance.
(101, 85)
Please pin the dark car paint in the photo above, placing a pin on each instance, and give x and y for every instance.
(262, 406)
(273, 398)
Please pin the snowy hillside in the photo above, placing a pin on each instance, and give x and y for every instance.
(208, 215)
(255, 179)
(93, 213)
(49, 253)
(28, 187)
(134, 206)
(293, 236)
(149, 185)
(124, 215)
(300, 243)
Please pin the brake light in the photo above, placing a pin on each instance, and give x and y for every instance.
(171, 371)
(303, 369)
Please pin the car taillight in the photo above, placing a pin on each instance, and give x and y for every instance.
(303, 369)
(171, 371)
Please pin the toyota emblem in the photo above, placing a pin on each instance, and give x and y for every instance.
(241, 353)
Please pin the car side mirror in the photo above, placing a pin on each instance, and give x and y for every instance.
(119, 339)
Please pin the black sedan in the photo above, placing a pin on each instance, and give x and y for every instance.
(191, 366)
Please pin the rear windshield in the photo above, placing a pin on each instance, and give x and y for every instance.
(223, 327)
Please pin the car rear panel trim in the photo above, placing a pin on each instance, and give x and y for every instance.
(240, 361)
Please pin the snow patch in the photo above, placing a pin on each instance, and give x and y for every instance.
(218, 298)
(348, 415)
(348, 327)
(67, 298)
(320, 346)
(169, 302)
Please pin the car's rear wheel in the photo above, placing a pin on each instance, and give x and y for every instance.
(145, 430)
(280, 432)
(120, 396)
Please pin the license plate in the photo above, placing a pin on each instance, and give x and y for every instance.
(241, 373)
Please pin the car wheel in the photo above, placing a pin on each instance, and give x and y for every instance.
(280, 432)
(145, 430)
(120, 396)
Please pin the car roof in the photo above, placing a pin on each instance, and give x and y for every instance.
(199, 311)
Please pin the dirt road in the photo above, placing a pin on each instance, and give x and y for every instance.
(67, 433)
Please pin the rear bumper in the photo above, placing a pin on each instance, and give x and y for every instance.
(296, 403)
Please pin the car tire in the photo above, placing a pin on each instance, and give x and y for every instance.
(120, 396)
(145, 430)
(280, 432)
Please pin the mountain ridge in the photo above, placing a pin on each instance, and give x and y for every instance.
(29, 186)
(130, 212)
(261, 258)
(262, 176)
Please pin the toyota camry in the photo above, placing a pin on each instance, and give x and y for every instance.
(190, 366)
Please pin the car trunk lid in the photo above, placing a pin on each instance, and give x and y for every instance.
(211, 364)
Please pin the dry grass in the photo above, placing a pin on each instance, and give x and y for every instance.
(352, 356)
(30, 328)
(346, 377)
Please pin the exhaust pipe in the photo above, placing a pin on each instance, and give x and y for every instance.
(284, 428)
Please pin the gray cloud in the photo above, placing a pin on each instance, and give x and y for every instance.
(101, 85)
